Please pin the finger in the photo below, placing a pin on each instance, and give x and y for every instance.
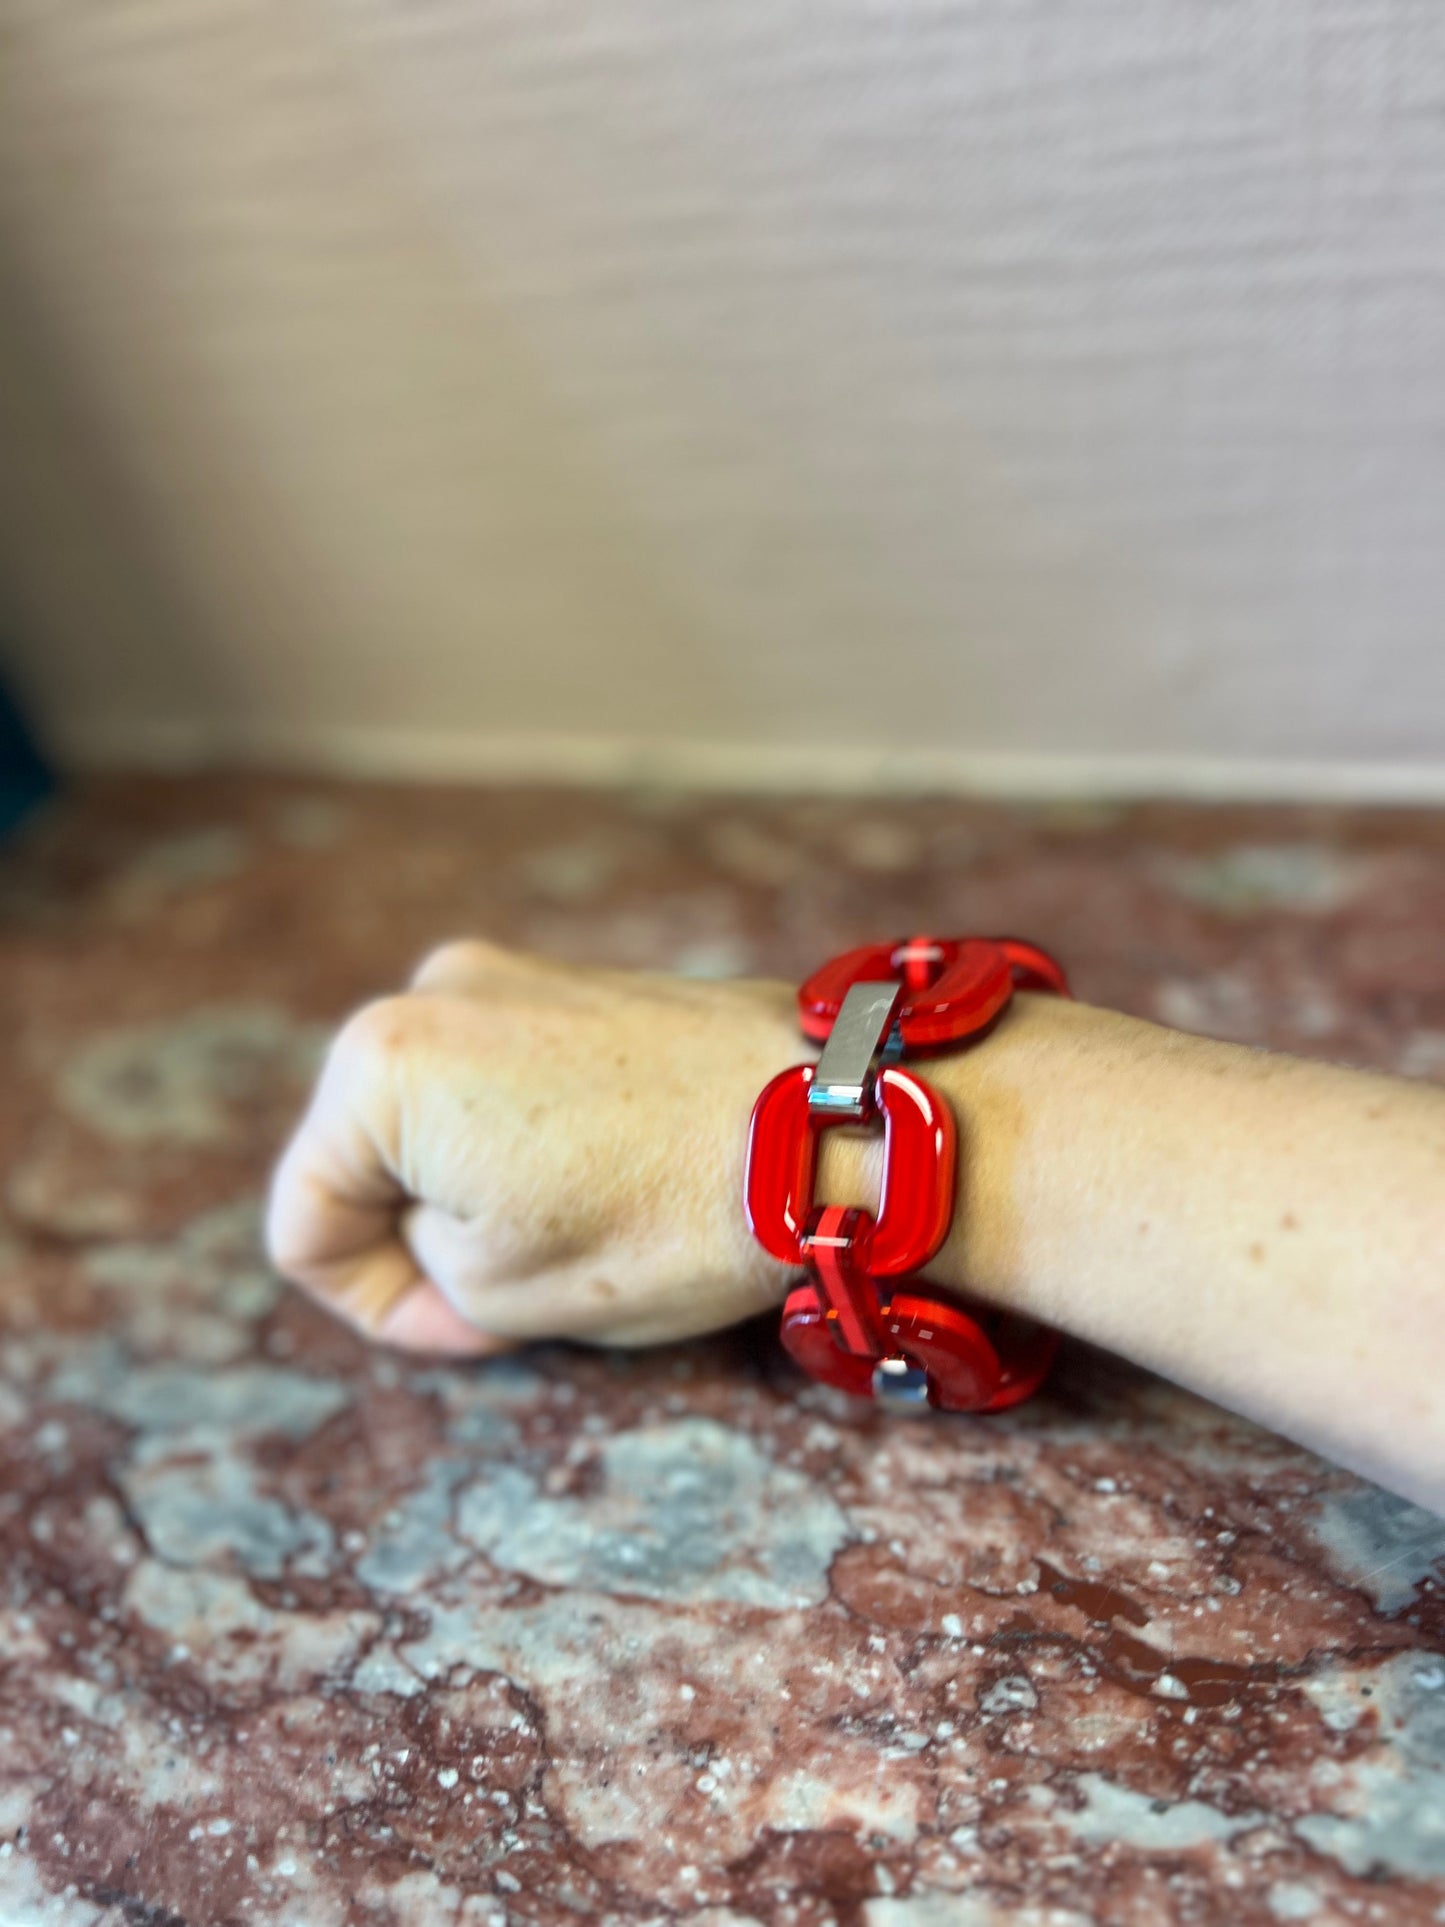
(350, 1260)
(332, 1218)
(425, 1320)
(569, 1293)
(543, 1296)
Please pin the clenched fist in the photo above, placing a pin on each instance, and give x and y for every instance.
(512, 1149)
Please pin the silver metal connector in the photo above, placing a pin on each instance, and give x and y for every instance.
(842, 1083)
(901, 1387)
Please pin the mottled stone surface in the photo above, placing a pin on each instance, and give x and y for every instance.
(297, 1634)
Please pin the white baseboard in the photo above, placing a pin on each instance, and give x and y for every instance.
(421, 755)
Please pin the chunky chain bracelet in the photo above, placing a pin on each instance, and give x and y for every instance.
(861, 1319)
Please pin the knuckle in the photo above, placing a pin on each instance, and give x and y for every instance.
(461, 958)
(379, 1033)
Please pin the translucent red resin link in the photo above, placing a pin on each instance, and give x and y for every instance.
(845, 1322)
(916, 1207)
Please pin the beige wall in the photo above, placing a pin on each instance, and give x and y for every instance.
(1018, 393)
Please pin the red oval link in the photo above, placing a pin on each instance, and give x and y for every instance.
(964, 1374)
(808, 1339)
(1025, 1351)
(973, 1365)
(1033, 968)
(971, 985)
(919, 1161)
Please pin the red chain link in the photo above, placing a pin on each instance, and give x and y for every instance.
(845, 1323)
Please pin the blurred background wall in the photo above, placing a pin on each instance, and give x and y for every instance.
(892, 391)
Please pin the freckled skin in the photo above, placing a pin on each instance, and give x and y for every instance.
(513, 1149)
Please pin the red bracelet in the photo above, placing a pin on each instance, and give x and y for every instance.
(846, 1323)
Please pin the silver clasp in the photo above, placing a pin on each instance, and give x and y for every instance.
(859, 1041)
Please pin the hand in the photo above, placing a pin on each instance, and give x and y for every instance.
(513, 1149)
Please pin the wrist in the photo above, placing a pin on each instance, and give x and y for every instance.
(866, 1315)
(1009, 1094)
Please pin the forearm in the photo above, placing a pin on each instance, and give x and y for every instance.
(513, 1150)
(1268, 1231)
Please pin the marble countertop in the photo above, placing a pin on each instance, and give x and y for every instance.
(298, 1634)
